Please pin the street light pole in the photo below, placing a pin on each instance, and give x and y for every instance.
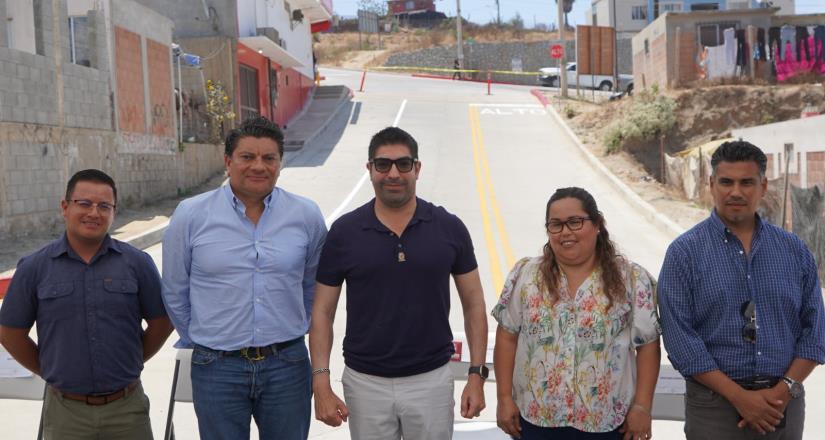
(498, 13)
(460, 40)
(563, 60)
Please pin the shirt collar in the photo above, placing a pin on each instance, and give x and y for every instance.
(721, 228)
(238, 205)
(423, 213)
(61, 247)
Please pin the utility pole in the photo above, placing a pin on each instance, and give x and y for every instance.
(459, 38)
(498, 13)
(563, 60)
(615, 48)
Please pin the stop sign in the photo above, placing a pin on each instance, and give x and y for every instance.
(556, 51)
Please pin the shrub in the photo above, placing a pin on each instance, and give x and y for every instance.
(650, 116)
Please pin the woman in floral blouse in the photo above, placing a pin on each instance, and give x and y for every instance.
(577, 346)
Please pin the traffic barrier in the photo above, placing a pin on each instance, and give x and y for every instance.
(4, 286)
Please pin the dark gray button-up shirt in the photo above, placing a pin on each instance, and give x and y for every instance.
(88, 316)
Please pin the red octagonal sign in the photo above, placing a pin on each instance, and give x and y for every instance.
(556, 51)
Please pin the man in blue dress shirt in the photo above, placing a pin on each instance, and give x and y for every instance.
(741, 309)
(239, 268)
(88, 294)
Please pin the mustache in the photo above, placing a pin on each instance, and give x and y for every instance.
(736, 200)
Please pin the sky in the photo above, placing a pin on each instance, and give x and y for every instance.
(531, 11)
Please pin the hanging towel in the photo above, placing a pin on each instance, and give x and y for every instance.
(773, 42)
(802, 41)
(787, 35)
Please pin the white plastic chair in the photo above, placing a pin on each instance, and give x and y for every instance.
(181, 388)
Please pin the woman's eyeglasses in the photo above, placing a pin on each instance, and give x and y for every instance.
(573, 224)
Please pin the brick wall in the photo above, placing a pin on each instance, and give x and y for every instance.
(685, 69)
(160, 89)
(651, 67)
(129, 71)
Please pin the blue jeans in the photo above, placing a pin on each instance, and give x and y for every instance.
(228, 390)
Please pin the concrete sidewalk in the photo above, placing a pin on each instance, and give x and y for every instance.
(143, 227)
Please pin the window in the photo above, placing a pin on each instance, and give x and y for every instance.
(79, 41)
(713, 34)
(647, 46)
(639, 13)
(410, 5)
(705, 7)
(249, 92)
(671, 7)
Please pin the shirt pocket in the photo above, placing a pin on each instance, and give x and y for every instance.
(121, 296)
(56, 301)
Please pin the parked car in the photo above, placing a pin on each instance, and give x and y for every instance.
(549, 76)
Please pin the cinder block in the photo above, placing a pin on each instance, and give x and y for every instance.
(18, 207)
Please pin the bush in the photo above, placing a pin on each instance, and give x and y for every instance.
(569, 111)
(650, 116)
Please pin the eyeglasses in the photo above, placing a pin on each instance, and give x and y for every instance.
(573, 224)
(87, 205)
(749, 329)
(403, 164)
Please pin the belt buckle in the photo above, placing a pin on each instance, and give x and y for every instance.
(257, 357)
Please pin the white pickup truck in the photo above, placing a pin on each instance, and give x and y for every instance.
(549, 76)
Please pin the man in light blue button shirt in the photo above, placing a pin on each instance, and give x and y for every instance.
(239, 268)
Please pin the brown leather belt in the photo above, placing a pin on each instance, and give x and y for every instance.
(97, 399)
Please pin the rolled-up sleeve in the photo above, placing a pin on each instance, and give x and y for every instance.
(510, 308)
(177, 262)
(646, 327)
(686, 350)
(811, 344)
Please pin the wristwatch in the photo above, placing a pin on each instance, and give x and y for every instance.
(796, 389)
(481, 370)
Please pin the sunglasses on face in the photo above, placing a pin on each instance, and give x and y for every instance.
(402, 164)
(748, 311)
(573, 224)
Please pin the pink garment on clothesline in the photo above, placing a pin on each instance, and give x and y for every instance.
(790, 66)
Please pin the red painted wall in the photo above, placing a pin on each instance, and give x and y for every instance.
(401, 6)
(293, 87)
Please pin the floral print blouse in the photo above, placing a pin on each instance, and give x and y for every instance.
(575, 361)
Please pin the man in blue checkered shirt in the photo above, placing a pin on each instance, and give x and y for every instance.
(741, 310)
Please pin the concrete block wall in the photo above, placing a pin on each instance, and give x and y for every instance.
(499, 56)
(651, 67)
(36, 161)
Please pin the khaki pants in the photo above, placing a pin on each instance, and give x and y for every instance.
(709, 416)
(416, 407)
(124, 419)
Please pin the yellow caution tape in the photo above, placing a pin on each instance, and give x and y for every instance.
(435, 69)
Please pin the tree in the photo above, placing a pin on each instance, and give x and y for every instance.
(377, 6)
(517, 22)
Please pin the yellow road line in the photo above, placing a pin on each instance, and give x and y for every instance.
(502, 232)
(495, 264)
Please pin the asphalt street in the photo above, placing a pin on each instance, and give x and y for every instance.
(493, 160)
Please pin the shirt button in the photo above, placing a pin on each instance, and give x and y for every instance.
(258, 330)
(741, 252)
(749, 277)
(759, 353)
(257, 300)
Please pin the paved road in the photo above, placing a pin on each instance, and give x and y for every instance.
(492, 160)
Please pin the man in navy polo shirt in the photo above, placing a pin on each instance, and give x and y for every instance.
(88, 294)
(397, 254)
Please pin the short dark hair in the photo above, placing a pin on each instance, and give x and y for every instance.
(259, 127)
(739, 151)
(90, 175)
(392, 136)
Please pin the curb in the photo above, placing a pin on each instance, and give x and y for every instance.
(481, 81)
(298, 145)
(649, 212)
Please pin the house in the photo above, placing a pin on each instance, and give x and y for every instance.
(674, 49)
(631, 16)
(258, 51)
(88, 84)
